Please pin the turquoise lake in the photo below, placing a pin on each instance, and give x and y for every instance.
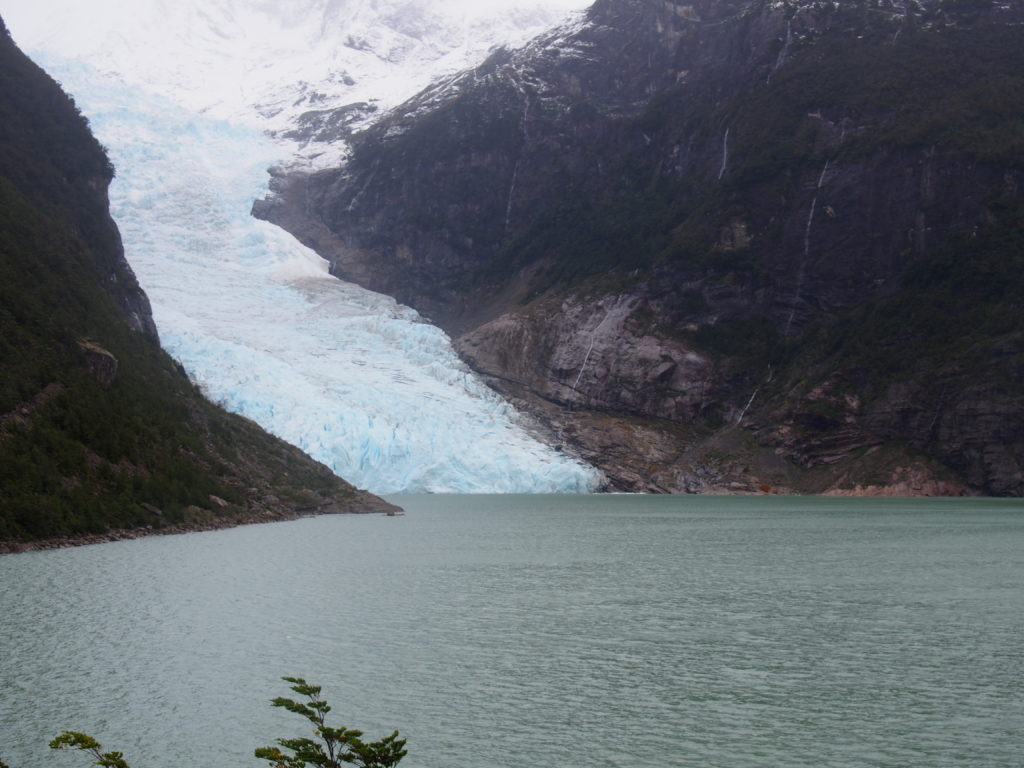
(576, 631)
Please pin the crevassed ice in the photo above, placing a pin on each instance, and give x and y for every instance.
(356, 380)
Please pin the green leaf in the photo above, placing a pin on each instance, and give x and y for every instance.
(335, 745)
(86, 743)
(74, 740)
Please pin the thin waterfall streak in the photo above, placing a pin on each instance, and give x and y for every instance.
(747, 406)
(725, 154)
(803, 266)
(767, 380)
(781, 59)
(807, 229)
(358, 196)
(821, 178)
(810, 215)
(789, 320)
(583, 367)
(523, 128)
(801, 273)
(586, 358)
(511, 192)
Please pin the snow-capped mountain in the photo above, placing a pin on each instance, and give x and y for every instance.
(276, 66)
(182, 94)
(745, 217)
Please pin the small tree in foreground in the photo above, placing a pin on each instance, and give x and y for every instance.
(332, 746)
(75, 740)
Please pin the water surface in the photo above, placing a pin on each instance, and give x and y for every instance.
(503, 631)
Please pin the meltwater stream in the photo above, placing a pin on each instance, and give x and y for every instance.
(354, 379)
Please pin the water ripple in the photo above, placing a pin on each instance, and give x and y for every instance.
(502, 631)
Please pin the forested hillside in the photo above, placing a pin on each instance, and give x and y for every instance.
(100, 429)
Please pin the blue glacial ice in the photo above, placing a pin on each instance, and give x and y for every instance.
(356, 380)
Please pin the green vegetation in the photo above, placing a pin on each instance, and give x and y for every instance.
(331, 747)
(948, 87)
(751, 338)
(956, 89)
(99, 428)
(86, 743)
(581, 238)
(956, 310)
(82, 455)
(959, 90)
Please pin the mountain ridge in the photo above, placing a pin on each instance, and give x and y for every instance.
(691, 223)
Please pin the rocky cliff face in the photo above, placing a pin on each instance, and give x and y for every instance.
(80, 171)
(779, 235)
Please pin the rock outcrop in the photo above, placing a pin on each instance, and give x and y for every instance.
(101, 363)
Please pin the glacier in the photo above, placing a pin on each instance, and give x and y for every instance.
(358, 381)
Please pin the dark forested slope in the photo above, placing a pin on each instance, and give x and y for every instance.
(722, 245)
(99, 428)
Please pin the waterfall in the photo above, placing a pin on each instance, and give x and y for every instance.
(522, 127)
(781, 59)
(586, 358)
(801, 272)
(725, 154)
(511, 192)
(747, 406)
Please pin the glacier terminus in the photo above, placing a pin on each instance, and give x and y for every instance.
(359, 382)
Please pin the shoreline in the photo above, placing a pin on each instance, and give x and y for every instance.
(370, 505)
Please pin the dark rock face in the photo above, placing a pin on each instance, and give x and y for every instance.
(121, 282)
(102, 364)
(667, 211)
(593, 355)
(74, 177)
